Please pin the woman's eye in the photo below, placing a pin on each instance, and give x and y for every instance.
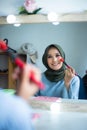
(49, 56)
(57, 55)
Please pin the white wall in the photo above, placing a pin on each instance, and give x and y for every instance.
(60, 6)
(71, 36)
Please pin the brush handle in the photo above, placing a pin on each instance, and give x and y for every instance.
(67, 65)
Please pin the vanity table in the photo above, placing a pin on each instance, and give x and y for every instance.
(59, 114)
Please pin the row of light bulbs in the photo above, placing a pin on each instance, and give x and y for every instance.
(52, 17)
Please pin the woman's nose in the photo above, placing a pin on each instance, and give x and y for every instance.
(55, 59)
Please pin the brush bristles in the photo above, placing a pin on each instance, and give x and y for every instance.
(61, 59)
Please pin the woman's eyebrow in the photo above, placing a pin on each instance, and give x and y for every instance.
(58, 53)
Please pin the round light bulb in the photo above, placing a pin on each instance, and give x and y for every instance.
(11, 18)
(55, 107)
(52, 16)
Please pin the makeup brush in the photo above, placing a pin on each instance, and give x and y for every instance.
(62, 60)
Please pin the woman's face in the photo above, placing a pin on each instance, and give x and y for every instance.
(53, 59)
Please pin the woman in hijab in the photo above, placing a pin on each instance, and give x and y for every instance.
(59, 81)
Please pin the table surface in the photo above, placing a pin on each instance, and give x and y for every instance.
(62, 105)
(59, 114)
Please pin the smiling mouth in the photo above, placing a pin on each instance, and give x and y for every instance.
(55, 64)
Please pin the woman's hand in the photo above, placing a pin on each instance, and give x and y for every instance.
(69, 74)
(26, 87)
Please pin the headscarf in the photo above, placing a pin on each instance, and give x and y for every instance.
(53, 75)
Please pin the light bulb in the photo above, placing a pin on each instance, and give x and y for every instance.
(55, 107)
(52, 16)
(55, 23)
(17, 24)
(11, 18)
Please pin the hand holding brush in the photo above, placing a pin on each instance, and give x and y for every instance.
(68, 66)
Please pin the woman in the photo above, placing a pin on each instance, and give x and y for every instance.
(59, 81)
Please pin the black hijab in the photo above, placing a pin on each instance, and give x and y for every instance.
(53, 75)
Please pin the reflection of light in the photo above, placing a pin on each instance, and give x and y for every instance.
(52, 16)
(17, 24)
(55, 107)
(11, 18)
(55, 23)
